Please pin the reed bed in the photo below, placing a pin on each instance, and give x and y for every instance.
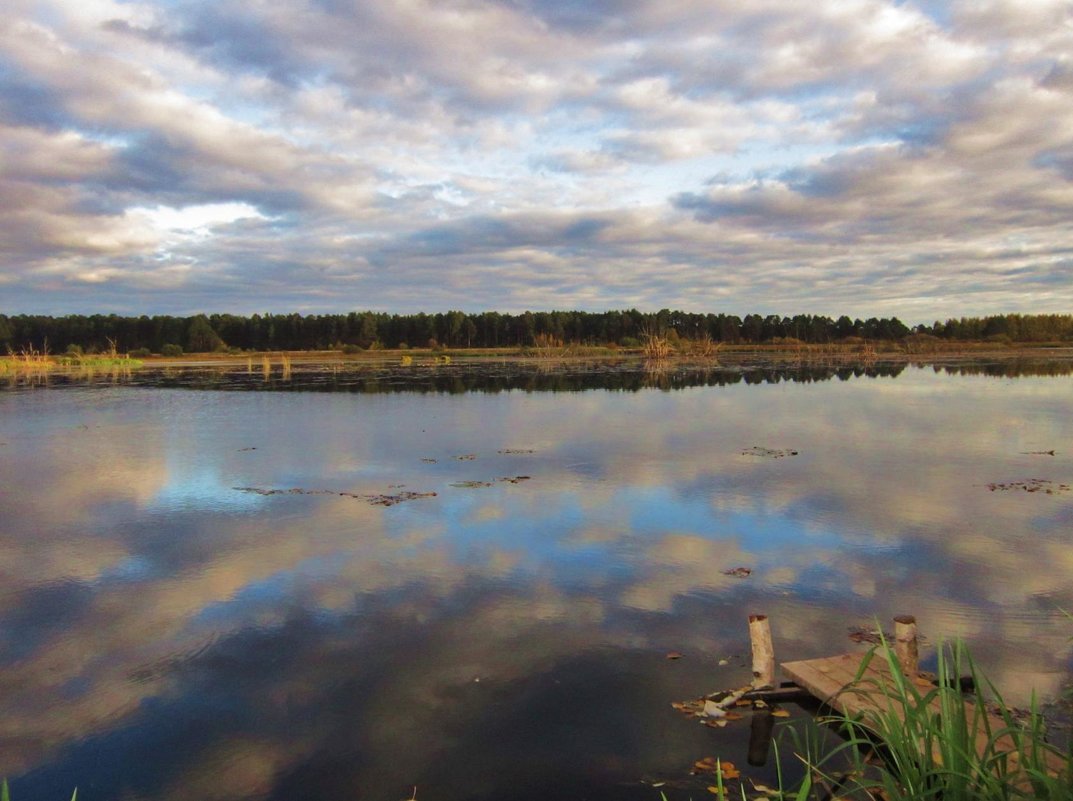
(656, 347)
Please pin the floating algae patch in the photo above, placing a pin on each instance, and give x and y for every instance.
(1031, 485)
(768, 453)
(376, 500)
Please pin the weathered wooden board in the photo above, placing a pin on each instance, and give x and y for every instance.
(834, 680)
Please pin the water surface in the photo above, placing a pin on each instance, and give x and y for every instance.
(165, 631)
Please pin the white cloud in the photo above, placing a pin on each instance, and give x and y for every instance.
(194, 219)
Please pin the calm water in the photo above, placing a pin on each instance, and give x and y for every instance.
(164, 634)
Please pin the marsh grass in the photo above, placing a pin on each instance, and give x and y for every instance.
(32, 361)
(102, 362)
(548, 346)
(27, 360)
(655, 347)
(703, 347)
(934, 743)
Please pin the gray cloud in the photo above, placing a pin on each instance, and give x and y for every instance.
(875, 158)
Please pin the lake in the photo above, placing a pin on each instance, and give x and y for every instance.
(348, 583)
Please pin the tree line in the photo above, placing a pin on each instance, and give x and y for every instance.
(456, 329)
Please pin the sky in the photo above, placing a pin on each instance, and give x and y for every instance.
(861, 157)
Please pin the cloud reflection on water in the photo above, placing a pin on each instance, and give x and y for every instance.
(315, 638)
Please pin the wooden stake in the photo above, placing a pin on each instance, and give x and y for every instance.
(905, 644)
(763, 651)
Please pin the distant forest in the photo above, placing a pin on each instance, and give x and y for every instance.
(455, 329)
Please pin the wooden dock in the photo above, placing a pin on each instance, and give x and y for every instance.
(834, 681)
(862, 687)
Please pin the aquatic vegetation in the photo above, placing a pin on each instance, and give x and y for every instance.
(959, 753)
(703, 347)
(375, 500)
(1031, 485)
(655, 347)
(768, 453)
(739, 572)
(99, 362)
(30, 360)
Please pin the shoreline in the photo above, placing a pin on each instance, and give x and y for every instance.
(734, 355)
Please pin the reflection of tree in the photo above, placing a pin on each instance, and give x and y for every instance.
(625, 376)
(1015, 368)
(546, 377)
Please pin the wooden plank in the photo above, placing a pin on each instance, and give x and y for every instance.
(839, 682)
(832, 681)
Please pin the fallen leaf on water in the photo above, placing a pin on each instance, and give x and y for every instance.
(780, 713)
(717, 790)
(733, 716)
(713, 710)
(674, 655)
(714, 765)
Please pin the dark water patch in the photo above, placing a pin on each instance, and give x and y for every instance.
(41, 612)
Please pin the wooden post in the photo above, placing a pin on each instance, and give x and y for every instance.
(905, 644)
(763, 651)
